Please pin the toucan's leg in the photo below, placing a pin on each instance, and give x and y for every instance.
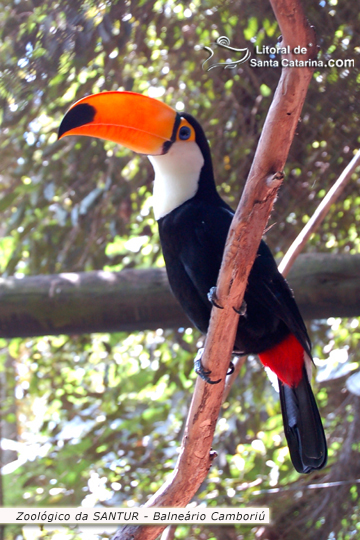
(242, 310)
(204, 373)
(213, 299)
(201, 371)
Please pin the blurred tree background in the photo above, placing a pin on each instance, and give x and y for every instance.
(98, 419)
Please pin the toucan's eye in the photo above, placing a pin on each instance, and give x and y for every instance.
(184, 133)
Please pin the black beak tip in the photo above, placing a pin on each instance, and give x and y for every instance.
(77, 116)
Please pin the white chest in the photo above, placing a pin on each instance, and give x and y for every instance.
(177, 176)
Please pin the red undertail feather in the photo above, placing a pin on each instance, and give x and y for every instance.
(286, 360)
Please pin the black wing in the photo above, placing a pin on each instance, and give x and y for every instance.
(268, 287)
(193, 239)
(202, 255)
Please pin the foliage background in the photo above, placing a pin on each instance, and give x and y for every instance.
(98, 419)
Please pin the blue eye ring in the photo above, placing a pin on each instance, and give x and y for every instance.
(184, 133)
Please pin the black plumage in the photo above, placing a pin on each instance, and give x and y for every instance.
(193, 238)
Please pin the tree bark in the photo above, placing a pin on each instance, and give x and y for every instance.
(325, 285)
(77, 303)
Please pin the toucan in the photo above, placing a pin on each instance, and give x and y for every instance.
(193, 224)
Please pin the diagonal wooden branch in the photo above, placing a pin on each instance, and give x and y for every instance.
(249, 222)
(319, 215)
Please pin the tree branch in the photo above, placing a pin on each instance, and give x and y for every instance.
(324, 284)
(319, 215)
(244, 237)
(77, 303)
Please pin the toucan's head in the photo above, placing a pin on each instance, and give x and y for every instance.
(175, 144)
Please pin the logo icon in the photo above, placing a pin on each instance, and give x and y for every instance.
(224, 42)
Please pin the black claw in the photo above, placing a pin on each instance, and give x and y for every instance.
(242, 310)
(201, 371)
(213, 298)
(231, 369)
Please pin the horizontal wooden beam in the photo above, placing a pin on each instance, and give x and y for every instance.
(324, 285)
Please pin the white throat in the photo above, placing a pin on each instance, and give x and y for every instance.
(177, 176)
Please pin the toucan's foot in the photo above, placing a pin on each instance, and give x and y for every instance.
(242, 310)
(231, 369)
(201, 371)
(213, 299)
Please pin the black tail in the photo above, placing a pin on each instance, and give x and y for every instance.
(303, 428)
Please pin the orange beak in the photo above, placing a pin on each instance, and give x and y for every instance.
(138, 122)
